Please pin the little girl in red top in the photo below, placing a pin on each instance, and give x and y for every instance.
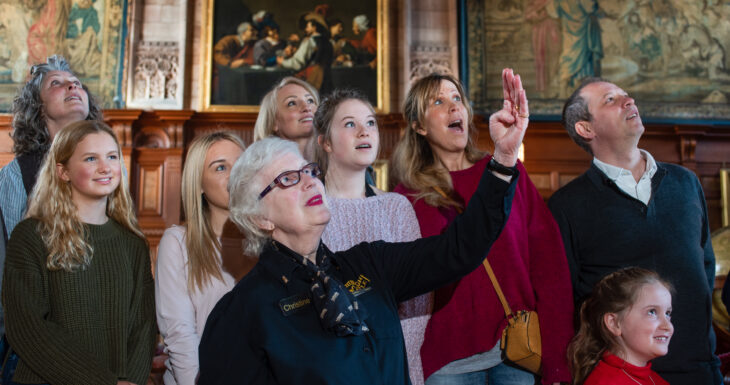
(623, 325)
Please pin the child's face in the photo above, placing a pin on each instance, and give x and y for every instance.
(644, 330)
(93, 170)
(354, 137)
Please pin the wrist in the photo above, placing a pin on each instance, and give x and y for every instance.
(498, 167)
(504, 160)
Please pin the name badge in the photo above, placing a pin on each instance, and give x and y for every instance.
(294, 303)
(360, 292)
(359, 286)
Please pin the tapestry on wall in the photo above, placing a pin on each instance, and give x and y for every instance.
(670, 55)
(88, 33)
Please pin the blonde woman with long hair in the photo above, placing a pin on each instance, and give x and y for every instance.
(189, 277)
(78, 291)
(438, 167)
(287, 111)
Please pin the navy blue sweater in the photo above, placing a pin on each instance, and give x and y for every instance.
(604, 229)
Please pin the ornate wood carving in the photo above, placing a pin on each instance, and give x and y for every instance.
(121, 122)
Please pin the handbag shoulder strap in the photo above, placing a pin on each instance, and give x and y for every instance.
(490, 272)
(497, 288)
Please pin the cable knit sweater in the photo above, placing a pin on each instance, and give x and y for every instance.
(387, 217)
(93, 326)
(529, 261)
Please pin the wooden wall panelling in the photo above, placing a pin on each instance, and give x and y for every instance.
(158, 150)
(390, 127)
(121, 122)
(240, 123)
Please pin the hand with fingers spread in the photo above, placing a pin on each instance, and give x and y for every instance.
(507, 126)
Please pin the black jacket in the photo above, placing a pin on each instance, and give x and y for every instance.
(265, 331)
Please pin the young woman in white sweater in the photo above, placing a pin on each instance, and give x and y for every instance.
(189, 278)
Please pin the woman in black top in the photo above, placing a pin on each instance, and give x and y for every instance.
(307, 315)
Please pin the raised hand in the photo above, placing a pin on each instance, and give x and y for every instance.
(507, 126)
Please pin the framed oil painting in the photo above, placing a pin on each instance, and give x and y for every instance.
(90, 34)
(672, 56)
(250, 45)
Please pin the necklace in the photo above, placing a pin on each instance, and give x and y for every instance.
(635, 380)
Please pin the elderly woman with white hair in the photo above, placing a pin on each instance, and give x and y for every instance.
(307, 315)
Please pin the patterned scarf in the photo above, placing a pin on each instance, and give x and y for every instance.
(337, 308)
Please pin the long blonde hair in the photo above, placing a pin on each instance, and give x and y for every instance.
(59, 225)
(414, 164)
(203, 246)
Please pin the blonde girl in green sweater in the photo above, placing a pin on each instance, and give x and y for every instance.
(77, 289)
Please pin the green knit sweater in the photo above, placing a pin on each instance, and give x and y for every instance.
(93, 326)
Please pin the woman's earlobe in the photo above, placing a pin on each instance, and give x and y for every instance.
(419, 130)
(61, 172)
(324, 143)
(264, 224)
(611, 320)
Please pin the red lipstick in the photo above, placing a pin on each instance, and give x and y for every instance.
(315, 200)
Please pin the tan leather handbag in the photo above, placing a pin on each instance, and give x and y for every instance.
(521, 341)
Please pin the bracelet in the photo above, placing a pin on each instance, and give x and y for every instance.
(495, 166)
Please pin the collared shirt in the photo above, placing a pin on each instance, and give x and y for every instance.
(624, 179)
(266, 331)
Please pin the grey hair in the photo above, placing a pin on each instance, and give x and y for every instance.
(266, 120)
(576, 110)
(243, 27)
(30, 133)
(245, 185)
(362, 22)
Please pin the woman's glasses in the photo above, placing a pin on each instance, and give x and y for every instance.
(289, 178)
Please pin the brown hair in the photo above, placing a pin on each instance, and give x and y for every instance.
(323, 121)
(576, 110)
(615, 293)
(414, 164)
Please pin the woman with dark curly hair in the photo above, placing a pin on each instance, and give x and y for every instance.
(52, 98)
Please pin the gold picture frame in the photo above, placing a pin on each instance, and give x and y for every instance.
(725, 196)
(380, 168)
(207, 67)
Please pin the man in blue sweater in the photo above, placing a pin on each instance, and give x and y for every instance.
(629, 210)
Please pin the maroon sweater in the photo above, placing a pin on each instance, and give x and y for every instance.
(530, 264)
